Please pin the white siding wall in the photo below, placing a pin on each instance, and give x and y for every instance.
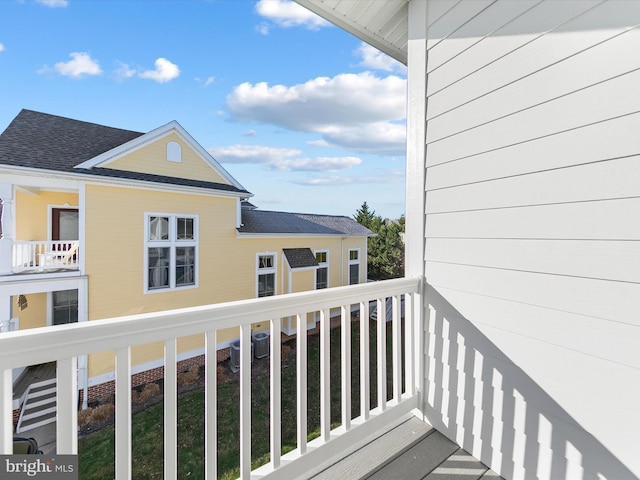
(533, 234)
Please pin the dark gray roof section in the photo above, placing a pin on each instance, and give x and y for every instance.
(268, 222)
(49, 142)
(300, 257)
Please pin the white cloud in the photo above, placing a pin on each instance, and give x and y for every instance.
(396, 176)
(375, 59)
(252, 153)
(124, 71)
(165, 71)
(286, 14)
(320, 164)
(81, 64)
(53, 3)
(209, 81)
(2, 48)
(281, 159)
(362, 111)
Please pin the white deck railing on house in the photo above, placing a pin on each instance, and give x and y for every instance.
(42, 255)
(65, 343)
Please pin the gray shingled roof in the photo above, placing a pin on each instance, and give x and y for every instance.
(300, 257)
(267, 222)
(49, 142)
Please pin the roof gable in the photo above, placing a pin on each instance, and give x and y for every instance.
(40, 141)
(148, 154)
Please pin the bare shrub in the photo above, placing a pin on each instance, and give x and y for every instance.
(285, 350)
(190, 376)
(84, 416)
(223, 375)
(102, 412)
(149, 391)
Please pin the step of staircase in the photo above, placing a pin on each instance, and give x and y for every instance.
(39, 407)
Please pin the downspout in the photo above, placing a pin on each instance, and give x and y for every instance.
(342, 260)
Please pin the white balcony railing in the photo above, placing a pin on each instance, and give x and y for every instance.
(65, 343)
(43, 255)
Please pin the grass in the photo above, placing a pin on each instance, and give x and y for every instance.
(96, 451)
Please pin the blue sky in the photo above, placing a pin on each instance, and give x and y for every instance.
(304, 115)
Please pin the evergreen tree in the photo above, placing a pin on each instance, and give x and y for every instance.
(386, 249)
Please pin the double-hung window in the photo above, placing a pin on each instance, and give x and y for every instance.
(322, 272)
(65, 307)
(354, 266)
(171, 249)
(266, 273)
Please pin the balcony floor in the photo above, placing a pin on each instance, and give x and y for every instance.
(412, 450)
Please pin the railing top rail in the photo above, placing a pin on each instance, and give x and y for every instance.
(41, 345)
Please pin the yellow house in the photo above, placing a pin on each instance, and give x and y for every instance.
(99, 222)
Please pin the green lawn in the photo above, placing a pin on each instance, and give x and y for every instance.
(96, 458)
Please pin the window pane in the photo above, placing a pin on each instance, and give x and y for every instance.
(265, 261)
(321, 278)
(266, 285)
(353, 254)
(321, 257)
(65, 307)
(158, 228)
(185, 229)
(354, 274)
(185, 266)
(159, 267)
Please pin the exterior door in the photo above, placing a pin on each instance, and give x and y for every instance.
(64, 224)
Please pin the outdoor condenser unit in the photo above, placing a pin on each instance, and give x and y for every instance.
(261, 342)
(234, 355)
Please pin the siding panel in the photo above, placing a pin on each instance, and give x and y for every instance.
(532, 233)
(584, 107)
(605, 220)
(596, 181)
(576, 147)
(604, 260)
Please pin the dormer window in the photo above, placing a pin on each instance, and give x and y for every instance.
(174, 152)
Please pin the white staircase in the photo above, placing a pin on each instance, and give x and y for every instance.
(39, 407)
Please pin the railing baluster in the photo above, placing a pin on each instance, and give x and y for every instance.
(396, 337)
(325, 379)
(409, 370)
(123, 413)
(170, 410)
(245, 401)
(345, 362)
(6, 401)
(365, 393)
(381, 306)
(276, 394)
(67, 406)
(210, 407)
(301, 374)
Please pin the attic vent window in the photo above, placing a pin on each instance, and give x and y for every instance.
(174, 152)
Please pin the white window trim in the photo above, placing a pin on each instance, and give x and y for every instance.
(172, 243)
(262, 271)
(353, 262)
(322, 265)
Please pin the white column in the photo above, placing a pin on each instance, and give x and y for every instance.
(8, 227)
(416, 139)
(416, 224)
